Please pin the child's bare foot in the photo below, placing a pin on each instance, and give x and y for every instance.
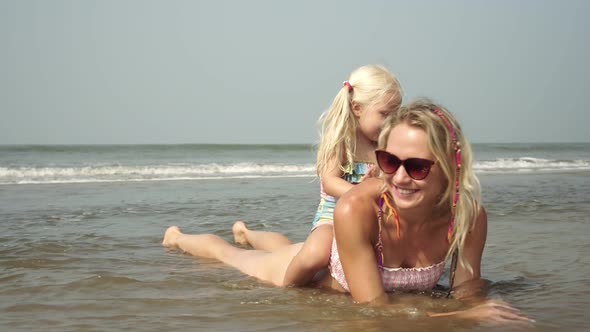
(170, 236)
(239, 229)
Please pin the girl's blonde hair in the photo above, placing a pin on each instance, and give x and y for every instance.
(366, 86)
(423, 114)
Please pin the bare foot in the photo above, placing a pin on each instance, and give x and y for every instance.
(239, 229)
(170, 236)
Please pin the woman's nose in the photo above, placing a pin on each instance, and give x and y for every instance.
(401, 176)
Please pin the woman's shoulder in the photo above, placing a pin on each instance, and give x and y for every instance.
(361, 199)
(480, 224)
(356, 212)
(368, 190)
(477, 234)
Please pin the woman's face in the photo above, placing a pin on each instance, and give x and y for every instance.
(406, 142)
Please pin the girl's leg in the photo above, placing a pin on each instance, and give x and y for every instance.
(260, 240)
(266, 266)
(313, 256)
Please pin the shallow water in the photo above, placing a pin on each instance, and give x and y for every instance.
(88, 257)
(82, 229)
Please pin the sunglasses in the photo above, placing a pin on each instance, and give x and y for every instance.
(417, 168)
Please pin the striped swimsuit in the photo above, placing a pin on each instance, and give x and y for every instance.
(325, 211)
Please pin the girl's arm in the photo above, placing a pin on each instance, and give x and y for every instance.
(332, 181)
(355, 224)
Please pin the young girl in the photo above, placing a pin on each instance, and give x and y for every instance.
(349, 132)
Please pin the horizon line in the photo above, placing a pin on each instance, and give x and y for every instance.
(262, 144)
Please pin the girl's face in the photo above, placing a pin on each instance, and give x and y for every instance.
(372, 117)
(406, 142)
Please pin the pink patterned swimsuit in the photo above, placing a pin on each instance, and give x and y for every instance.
(414, 278)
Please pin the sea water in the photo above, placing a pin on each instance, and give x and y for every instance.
(82, 228)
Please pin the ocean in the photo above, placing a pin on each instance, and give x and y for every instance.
(83, 224)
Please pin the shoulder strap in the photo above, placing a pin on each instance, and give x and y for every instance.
(454, 262)
(379, 241)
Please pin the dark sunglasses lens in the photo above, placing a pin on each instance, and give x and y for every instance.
(387, 162)
(417, 169)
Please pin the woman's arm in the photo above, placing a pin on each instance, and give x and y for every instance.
(469, 285)
(473, 251)
(355, 225)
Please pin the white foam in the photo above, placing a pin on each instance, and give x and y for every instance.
(214, 171)
(529, 164)
(86, 174)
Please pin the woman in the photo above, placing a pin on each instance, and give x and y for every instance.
(398, 231)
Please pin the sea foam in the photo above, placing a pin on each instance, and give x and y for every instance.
(215, 171)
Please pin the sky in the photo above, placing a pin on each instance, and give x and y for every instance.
(262, 71)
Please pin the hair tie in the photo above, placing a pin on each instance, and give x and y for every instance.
(346, 83)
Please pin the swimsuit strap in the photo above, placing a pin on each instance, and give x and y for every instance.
(379, 242)
(454, 262)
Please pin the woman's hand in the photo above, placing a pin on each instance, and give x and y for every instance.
(496, 312)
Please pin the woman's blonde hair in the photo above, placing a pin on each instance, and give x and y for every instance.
(365, 86)
(430, 117)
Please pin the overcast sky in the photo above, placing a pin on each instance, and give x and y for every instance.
(108, 72)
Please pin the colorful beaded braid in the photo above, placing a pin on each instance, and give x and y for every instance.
(392, 211)
(457, 147)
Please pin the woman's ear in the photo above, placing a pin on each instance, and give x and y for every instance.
(356, 108)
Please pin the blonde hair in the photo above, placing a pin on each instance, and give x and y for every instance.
(421, 114)
(338, 125)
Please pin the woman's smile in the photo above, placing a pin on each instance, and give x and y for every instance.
(404, 191)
